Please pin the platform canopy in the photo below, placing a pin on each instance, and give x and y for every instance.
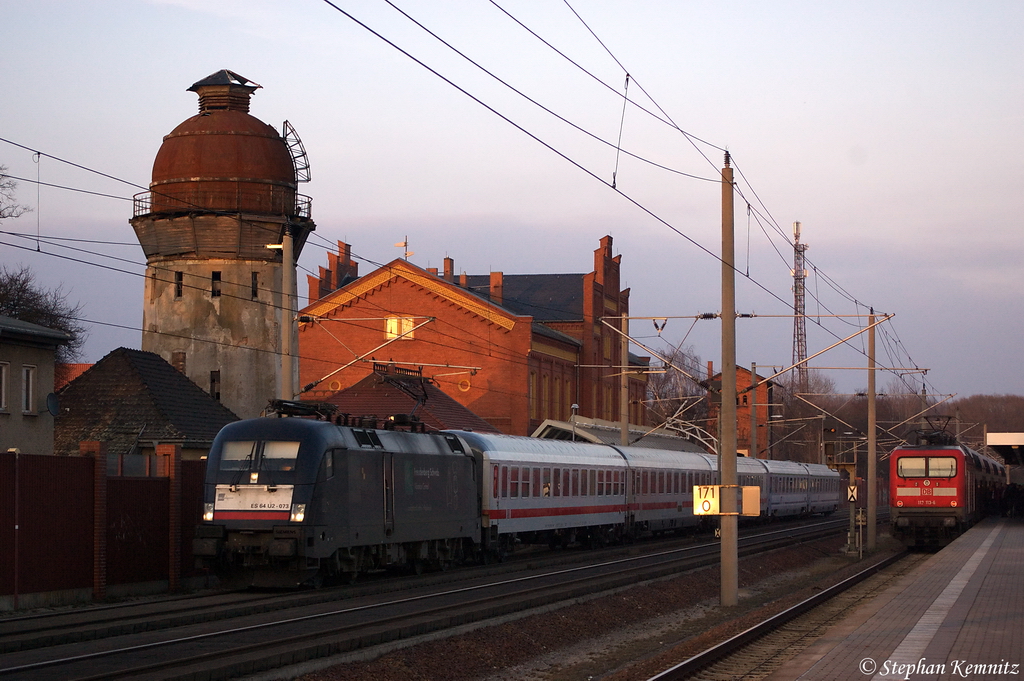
(1010, 446)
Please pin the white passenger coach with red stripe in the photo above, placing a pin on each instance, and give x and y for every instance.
(559, 492)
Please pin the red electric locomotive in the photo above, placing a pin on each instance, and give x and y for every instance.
(938, 489)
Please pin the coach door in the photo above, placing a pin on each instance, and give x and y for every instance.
(389, 493)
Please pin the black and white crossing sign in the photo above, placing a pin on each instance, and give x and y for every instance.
(851, 493)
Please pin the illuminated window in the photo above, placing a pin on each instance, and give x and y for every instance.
(396, 326)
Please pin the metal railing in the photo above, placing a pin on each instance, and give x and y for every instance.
(246, 198)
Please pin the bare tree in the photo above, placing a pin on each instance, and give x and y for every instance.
(8, 207)
(668, 388)
(806, 412)
(22, 298)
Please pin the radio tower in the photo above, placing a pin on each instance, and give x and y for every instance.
(799, 328)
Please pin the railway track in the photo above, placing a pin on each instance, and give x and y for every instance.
(213, 639)
(760, 650)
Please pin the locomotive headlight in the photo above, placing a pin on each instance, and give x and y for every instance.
(298, 513)
(207, 512)
(254, 477)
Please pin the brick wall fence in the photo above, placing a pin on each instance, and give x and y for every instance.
(70, 532)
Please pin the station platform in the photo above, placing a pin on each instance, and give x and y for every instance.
(958, 615)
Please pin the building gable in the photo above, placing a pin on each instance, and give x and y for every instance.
(399, 269)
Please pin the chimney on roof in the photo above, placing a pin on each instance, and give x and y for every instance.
(449, 269)
(497, 283)
(432, 270)
(464, 280)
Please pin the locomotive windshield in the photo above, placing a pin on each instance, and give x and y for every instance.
(926, 467)
(259, 456)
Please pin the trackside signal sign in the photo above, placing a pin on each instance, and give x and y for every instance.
(708, 500)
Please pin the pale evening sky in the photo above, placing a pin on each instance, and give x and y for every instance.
(894, 131)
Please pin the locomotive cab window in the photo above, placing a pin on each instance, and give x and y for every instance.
(926, 467)
(255, 456)
(941, 466)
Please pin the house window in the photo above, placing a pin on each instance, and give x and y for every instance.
(215, 385)
(396, 326)
(215, 284)
(28, 389)
(545, 397)
(532, 395)
(179, 283)
(255, 292)
(4, 382)
(178, 360)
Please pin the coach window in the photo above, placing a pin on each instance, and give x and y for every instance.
(526, 482)
(514, 482)
(536, 482)
(556, 475)
(547, 482)
(619, 483)
(504, 481)
(584, 489)
(600, 483)
(576, 482)
(565, 482)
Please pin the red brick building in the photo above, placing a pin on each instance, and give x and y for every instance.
(761, 400)
(514, 349)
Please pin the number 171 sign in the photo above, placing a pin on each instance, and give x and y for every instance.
(707, 499)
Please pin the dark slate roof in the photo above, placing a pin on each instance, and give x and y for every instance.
(544, 330)
(131, 395)
(545, 297)
(224, 77)
(27, 331)
(383, 396)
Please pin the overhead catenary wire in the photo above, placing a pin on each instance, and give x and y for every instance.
(556, 152)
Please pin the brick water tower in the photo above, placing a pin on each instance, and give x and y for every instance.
(222, 226)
